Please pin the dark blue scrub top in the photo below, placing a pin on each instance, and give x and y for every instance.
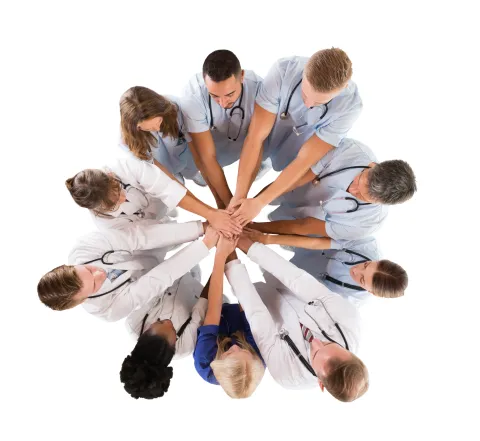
(231, 321)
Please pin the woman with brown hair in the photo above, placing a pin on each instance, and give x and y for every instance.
(132, 191)
(153, 130)
(349, 268)
(226, 352)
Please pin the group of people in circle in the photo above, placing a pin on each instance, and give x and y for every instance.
(302, 321)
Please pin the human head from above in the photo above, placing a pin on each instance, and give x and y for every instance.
(69, 285)
(146, 372)
(383, 278)
(237, 369)
(389, 183)
(223, 77)
(326, 74)
(143, 111)
(96, 190)
(339, 371)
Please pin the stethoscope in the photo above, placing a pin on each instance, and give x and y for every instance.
(284, 114)
(331, 279)
(104, 261)
(127, 187)
(239, 107)
(357, 204)
(284, 336)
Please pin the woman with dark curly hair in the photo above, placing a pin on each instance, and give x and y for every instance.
(166, 329)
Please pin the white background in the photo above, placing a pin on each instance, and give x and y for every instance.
(64, 67)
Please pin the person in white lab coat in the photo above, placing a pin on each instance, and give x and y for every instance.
(153, 130)
(352, 268)
(165, 329)
(306, 334)
(110, 274)
(136, 191)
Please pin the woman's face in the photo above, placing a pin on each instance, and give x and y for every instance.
(150, 125)
(237, 352)
(363, 274)
(165, 329)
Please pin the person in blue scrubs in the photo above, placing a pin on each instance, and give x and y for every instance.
(305, 106)
(218, 105)
(225, 352)
(345, 195)
(349, 268)
(153, 129)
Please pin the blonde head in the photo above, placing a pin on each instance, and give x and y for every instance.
(239, 373)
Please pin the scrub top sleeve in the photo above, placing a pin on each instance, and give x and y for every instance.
(156, 183)
(259, 318)
(334, 132)
(269, 92)
(342, 232)
(195, 112)
(205, 352)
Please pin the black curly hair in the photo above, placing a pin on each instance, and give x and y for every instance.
(145, 372)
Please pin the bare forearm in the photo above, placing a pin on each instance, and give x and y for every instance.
(215, 293)
(311, 243)
(302, 227)
(196, 206)
(216, 180)
(250, 156)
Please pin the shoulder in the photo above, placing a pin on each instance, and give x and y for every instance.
(290, 66)
(351, 149)
(251, 77)
(195, 86)
(90, 246)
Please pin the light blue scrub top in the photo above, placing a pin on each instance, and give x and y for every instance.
(172, 153)
(335, 262)
(283, 144)
(197, 116)
(324, 201)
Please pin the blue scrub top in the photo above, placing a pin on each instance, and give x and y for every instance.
(231, 321)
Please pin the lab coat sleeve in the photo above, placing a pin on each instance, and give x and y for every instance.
(195, 107)
(155, 281)
(269, 92)
(300, 283)
(148, 236)
(336, 130)
(261, 323)
(154, 182)
(189, 336)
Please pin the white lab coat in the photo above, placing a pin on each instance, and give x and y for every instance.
(150, 192)
(177, 303)
(272, 307)
(147, 277)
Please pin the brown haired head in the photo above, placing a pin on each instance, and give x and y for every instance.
(94, 189)
(390, 280)
(139, 104)
(328, 70)
(57, 288)
(346, 380)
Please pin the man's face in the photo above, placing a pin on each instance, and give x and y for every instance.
(321, 352)
(359, 186)
(312, 98)
(92, 279)
(226, 92)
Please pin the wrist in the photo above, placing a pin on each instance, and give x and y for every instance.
(262, 200)
(265, 239)
(209, 213)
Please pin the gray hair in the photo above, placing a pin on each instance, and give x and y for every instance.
(391, 182)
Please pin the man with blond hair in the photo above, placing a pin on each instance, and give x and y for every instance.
(305, 106)
(306, 334)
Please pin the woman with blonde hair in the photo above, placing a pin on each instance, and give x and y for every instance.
(153, 130)
(226, 352)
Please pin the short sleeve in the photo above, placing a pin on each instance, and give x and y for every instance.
(335, 131)
(269, 92)
(339, 231)
(194, 107)
(205, 352)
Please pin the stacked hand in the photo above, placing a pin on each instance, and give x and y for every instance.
(226, 246)
(245, 210)
(223, 222)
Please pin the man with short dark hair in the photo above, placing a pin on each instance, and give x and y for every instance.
(304, 108)
(218, 105)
